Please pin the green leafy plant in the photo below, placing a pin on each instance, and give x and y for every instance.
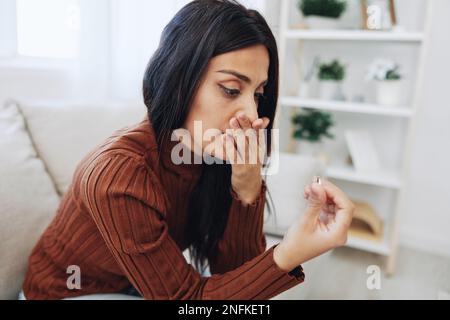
(312, 125)
(323, 8)
(332, 71)
(393, 75)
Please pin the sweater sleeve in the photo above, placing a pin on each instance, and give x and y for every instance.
(125, 202)
(243, 238)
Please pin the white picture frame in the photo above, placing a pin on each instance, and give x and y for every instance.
(362, 150)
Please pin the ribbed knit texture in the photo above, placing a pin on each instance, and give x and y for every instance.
(123, 223)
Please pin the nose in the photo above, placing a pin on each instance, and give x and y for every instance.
(250, 108)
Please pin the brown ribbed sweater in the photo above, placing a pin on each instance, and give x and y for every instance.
(123, 223)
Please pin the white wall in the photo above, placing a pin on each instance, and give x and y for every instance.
(426, 222)
(136, 29)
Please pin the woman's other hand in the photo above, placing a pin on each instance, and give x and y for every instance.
(322, 227)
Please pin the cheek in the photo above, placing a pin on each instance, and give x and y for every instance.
(213, 109)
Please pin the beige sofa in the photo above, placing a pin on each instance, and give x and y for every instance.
(40, 145)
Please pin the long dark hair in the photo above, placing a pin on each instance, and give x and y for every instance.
(200, 31)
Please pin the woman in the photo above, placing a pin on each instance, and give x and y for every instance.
(132, 208)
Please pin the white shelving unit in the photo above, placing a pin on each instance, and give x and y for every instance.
(384, 178)
(393, 180)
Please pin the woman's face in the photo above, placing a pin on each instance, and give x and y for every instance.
(233, 82)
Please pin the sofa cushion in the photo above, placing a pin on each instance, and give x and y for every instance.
(286, 190)
(28, 200)
(64, 132)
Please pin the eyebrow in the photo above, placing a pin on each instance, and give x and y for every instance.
(240, 76)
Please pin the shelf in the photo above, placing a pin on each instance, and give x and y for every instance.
(344, 106)
(380, 247)
(354, 35)
(380, 178)
(367, 245)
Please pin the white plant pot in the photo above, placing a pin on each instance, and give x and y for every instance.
(328, 89)
(312, 149)
(318, 22)
(389, 92)
(304, 90)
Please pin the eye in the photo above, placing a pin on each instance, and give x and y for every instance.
(230, 92)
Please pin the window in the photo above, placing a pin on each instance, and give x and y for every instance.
(48, 28)
(7, 29)
(39, 29)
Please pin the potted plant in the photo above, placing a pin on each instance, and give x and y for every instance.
(389, 82)
(311, 126)
(305, 84)
(322, 14)
(330, 77)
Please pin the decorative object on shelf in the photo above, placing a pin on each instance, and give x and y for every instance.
(305, 85)
(330, 78)
(348, 160)
(366, 223)
(322, 14)
(359, 98)
(378, 14)
(362, 150)
(310, 127)
(339, 96)
(388, 80)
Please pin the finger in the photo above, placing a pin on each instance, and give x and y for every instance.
(240, 143)
(258, 124)
(261, 123)
(316, 200)
(331, 217)
(337, 196)
(217, 148)
(235, 132)
(211, 147)
(318, 195)
(266, 122)
(330, 208)
(230, 149)
(244, 121)
(262, 144)
(307, 191)
(343, 206)
(234, 123)
(253, 148)
(248, 147)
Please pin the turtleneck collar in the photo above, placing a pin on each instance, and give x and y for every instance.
(186, 170)
(162, 159)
